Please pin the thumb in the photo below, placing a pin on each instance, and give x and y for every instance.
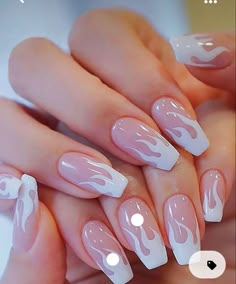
(38, 254)
(209, 57)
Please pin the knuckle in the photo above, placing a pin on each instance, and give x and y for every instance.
(24, 53)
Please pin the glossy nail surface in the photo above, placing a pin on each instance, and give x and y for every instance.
(90, 174)
(26, 215)
(213, 195)
(180, 126)
(182, 227)
(201, 50)
(9, 186)
(106, 252)
(142, 233)
(144, 143)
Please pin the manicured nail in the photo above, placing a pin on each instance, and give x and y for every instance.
(142, 233)
(213, 195)
(90, 174)
(144, 143)
(201, 50)
(176, 122)
(9, 186)
(106, 251)
(26, 215)
(182, 228)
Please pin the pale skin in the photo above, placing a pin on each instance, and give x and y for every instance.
(78, 270)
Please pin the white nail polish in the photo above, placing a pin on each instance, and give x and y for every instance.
(90, 174)
(144, 143)
(183, 251)
(114, 182)
(142, 233)
(26, 215)
(172, 117)
(9, 186)
(200, 50)
(106, 251)
(182, 228)
(213, 195)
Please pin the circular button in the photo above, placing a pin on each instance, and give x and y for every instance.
(207, 264)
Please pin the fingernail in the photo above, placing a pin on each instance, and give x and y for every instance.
(106, 251)
(176, 122)
(26, 215)
(201, 50)
(142, 233)
(182, 228)
(9, 186)
(213, 195)
(144, 143)
(90, 174)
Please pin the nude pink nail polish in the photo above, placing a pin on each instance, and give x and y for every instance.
(9, 186)
(144, 143)
(26, 215)
(90, 174)
(213, 195)
(106, 252)
(182, 227)
(142, 233)
(177, 123)
(202, 50)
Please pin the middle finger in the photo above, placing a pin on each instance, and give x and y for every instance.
(41, 72)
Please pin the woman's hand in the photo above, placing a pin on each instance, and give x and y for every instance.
(106, 94)
(38, 254)
(182, 180)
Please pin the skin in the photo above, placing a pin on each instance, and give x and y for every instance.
(80, 272)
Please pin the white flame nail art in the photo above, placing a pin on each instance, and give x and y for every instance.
(195, 142)
(191, 50)
(27, 203)
(9, 187)
(113, 182)
(144, 143)
(107, 253)
(162, 154)
(213, 214)
(183, 251)
(112, 270)
(156, 255)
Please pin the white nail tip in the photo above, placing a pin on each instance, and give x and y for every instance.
(157, 255)
(168, 154)
(9, 187)
(114, 182)
(213, 214)
(197, 145)
(184, 251)
(189, 46)
(121, 272)
(27, 202)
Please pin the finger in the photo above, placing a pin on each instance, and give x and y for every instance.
(178, 205)
(38, 254)
(86, 230)
(134, 220)
(145, 82)
(87, 105)
(136, 201)
(54, 159)
(163, 191)
(216, 168)
(209, 57)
